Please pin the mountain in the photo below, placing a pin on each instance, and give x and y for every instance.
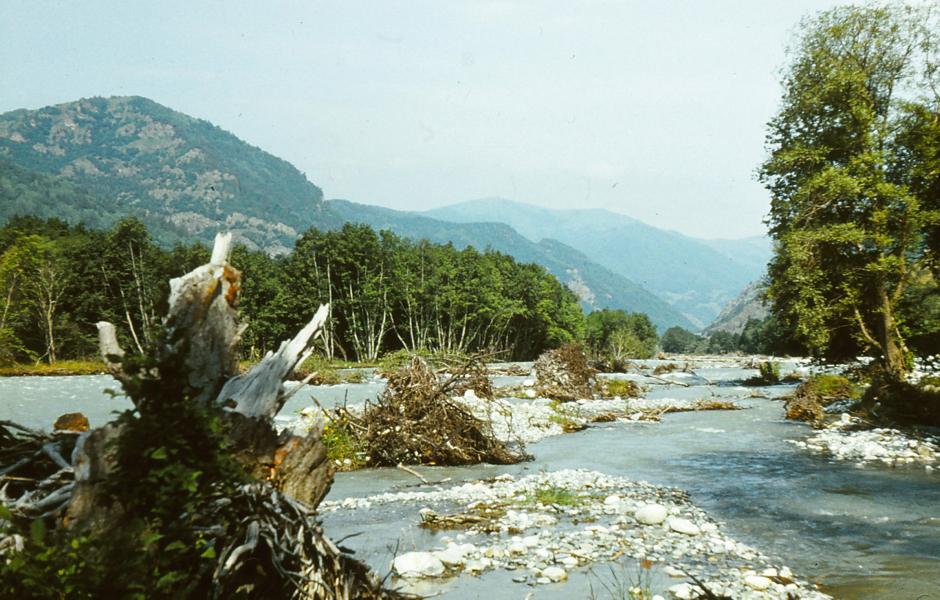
(754, 252)
(750, 304)
(96, 160)
(696, 277)
(596, 286)
(155, 162)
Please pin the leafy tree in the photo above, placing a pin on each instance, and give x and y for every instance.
(722, 342)
(619, 335)
(849, 223)
(682, 341)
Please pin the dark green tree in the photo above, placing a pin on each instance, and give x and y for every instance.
(682, 341)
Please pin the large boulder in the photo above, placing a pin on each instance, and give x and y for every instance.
(414, 565)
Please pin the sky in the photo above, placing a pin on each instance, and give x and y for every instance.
(654, 109)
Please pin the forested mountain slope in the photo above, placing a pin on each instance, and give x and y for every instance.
(149, 160)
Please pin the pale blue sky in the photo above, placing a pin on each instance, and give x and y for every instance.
(653, 109)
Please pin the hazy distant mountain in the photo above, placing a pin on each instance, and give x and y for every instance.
(750, 304)
(754, 251)
(152, 161)
(596, 286)
(696, 277)
(94, 161)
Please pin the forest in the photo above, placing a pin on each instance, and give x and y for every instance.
(387, 294)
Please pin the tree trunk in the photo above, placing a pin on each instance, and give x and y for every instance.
(202, 312)
(891, 344)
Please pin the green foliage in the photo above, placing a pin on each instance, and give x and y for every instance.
(343, 448)
(623, 388)
(172, 464)
(722, 342)
(769, 371)
(549, 495)
(766, 336)
(768, 374)
(827, 387)
(852, 178)
(682, 341)
(386, 294)
(617, 335)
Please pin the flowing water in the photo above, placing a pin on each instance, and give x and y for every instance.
(860, 532)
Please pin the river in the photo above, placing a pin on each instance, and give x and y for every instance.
(860, 532)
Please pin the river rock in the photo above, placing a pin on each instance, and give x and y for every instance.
(555, 574)
(683, 526)
(418, 564)
(71, 422)
(682, 591)
(651, 514)
(757, 582)
(454, 554)
(673, 572)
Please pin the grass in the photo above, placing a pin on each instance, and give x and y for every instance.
(561, 417)
(623, 388)
(342, 448)
(621, 584)
(62, 367)
(549, 495)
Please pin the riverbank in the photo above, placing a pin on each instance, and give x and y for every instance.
(57, 369)
(860, 533)
(542, 527)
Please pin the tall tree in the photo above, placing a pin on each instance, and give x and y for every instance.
(850, 228)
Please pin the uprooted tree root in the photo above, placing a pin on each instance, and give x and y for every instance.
(417, 421)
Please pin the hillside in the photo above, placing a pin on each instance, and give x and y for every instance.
(596, 286)
(750, 304)
(149, 160)
(696, 277)
(94, 161)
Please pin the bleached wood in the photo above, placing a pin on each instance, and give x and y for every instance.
(260, 392)
(108, 344)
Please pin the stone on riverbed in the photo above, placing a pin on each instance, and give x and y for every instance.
(651, 514)
(418, 564)
(455, 554)
(757, 582)
(555, 574)
(683, 526)
(71, 422)
(682, 591)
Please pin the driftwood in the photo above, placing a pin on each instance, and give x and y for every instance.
(563, 374)
(416, 420)
(65, 476)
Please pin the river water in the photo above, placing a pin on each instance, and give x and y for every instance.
(860, 532)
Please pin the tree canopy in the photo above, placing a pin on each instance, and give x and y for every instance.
(852, 176)
(386, 293)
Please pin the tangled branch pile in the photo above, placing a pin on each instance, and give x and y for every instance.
(37, 479)
(564, 374)
(416, 420)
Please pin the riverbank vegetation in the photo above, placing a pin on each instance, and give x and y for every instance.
(854, 178)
